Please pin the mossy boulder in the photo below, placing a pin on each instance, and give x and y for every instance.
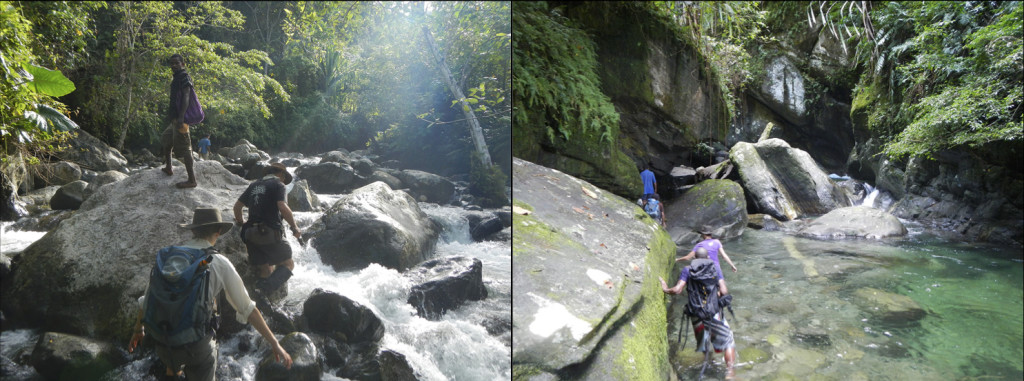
(716, 203)
(585, 283)
(785, 182)
(893, 308)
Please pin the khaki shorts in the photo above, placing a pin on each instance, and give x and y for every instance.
(180, 144)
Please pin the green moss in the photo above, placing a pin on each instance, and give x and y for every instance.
(524, 372)
(532, 235)
(645, 351)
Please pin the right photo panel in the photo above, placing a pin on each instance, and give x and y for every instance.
(767, 190)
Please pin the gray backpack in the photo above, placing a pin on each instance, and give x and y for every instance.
(178, 306)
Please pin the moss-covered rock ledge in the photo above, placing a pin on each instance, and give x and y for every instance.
(586, 299)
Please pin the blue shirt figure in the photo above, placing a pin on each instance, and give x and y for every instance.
(204, 145)
(650, 184)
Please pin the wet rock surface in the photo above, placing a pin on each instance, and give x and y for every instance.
(444, 284)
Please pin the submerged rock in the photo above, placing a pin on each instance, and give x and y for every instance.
(854, 221)
(893, 308)
(394, 367)
(444, 284)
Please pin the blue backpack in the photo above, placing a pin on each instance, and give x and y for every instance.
(178, 306)
(652, 209)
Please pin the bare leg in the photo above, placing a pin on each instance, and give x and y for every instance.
(264, 270)
(289, 263)
(730, 361)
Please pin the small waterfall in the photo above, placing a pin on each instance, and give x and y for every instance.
(869, 200)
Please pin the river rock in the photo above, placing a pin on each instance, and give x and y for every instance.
(717, 203)
(302, 199)
(386, 178)
(306, 362)
(69, 196)
(13, 176)
(340, 318)
(785, 182)
(289, 162)
(241, 150)
(337, 156)
(39, 199)
(855, 221)
(355, 361)
(443, 284)
(682, 176)
(103, 179)
(91, 153)
(482, 224)
(60, 356)
(58, 173)
(374, 224)
(110, 234)
(432, 187)
(893, 308)
(585, 262)
(43, 222)
(763, 222)
(394, 367)
(327, 177)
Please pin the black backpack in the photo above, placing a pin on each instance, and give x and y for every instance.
(702, 290)
(178, 306)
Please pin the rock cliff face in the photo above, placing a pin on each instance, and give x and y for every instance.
(588, 304)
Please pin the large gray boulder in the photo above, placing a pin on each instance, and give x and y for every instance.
(340, 318)
(374, 224)
(91, 153)
(427, 187)
(785, 182)
(64, 280)
(716, 203)
(59, 356)
(241, 150)
(585, 280)
(443, 284)
(327, 177)
(855, 221)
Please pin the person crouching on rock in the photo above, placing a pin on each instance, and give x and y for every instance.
(263, 232)
(187, 340)
(706, 300)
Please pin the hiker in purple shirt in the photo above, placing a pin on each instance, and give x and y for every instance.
(713, 246)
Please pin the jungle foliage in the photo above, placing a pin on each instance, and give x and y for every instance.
(297, 75)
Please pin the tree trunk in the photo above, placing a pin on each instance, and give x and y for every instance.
(474, 126)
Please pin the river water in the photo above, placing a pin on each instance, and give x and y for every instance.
(457, 347)
(797, 314)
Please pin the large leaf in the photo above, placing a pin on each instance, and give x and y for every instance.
(55, 118)
(50, 82)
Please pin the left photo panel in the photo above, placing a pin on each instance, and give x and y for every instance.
(256, 190)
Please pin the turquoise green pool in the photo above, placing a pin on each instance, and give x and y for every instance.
(919, 308)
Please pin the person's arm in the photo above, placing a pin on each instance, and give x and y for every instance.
(286, 213)
(686, 257)
(238, 212)
(139, 332)
(677, 289)
(256, 319)
(721, 250)
(184, 102)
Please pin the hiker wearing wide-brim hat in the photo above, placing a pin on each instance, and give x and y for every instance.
(713, 246)
(263, 233)
(197, 268)
(204, 218)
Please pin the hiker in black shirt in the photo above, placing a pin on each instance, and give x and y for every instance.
(263, 232)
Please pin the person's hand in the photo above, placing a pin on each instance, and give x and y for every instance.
(664, 286)
(296, 233)
(183, 128)
(136, 339)
(281, 356)
(733, 267)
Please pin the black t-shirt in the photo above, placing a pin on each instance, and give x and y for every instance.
(261, 198)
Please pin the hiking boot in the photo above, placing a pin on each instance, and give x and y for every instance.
(168, 171)
(186, 184)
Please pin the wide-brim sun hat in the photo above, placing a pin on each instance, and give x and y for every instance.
(705, 230)
(284, 170)
(208, 217)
